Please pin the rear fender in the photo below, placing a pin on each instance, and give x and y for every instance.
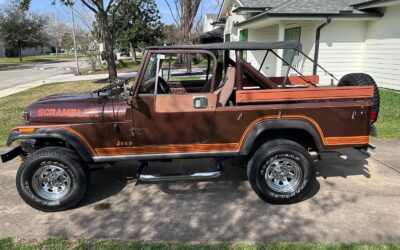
(264, 126)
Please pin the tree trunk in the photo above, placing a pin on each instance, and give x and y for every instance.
(188, 56)
(133, 53)
(19, 52)
(56, 50)
(109, 47)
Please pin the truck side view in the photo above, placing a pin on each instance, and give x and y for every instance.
(275, 126)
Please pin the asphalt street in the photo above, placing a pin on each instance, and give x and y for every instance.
(353, 200)
(14, 76)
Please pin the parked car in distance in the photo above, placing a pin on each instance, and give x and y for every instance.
(124, 53)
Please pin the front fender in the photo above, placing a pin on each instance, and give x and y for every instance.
(276, 125)
(49, 133)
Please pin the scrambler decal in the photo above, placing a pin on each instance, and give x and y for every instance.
(67, 112)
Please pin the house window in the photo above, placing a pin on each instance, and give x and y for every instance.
(243, 37)
(292, 34)
(227, 38)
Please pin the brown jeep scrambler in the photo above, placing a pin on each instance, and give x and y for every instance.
(225, 109)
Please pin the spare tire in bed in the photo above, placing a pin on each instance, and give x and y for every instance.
(361, 79)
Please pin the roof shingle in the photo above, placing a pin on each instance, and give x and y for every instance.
(304, 6)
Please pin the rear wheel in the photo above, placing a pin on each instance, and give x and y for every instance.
(281, 171)
(52, 179)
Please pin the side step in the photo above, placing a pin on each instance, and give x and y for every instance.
(173, 177)
(176, 176)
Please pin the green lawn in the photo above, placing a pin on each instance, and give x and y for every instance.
(12, 107)
(123, 66)
(388, 125)
(59, 244)
(14, 61)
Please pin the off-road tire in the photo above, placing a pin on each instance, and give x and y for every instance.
(64, 159)
(361, 79)
(274, 151)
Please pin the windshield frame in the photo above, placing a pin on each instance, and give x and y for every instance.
(148, 53)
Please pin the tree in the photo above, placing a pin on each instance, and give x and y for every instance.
(171, 34)
(58, 32)
(105, 17)
(184, 15)
(20, 29)
(142, 25)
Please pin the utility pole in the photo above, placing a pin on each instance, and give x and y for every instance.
(73, 36)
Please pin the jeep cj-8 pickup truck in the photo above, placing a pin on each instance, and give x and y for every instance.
(226, 108)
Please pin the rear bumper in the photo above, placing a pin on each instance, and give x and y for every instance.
(8, 156)
(368, 150)
(372, 131)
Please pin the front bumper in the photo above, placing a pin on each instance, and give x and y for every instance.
(8, 156)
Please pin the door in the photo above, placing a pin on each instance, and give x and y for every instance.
(290, 55)
(170, 117)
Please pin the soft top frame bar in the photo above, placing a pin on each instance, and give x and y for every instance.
(233, 46)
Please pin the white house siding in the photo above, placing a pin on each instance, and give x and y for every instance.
(341, 48)
(268, 34)
(382, 49)
(231, 29)
(207, 24)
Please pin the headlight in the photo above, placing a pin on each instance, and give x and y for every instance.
(26, 117)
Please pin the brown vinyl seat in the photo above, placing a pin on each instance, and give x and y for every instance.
(224, 91)
(218, 78)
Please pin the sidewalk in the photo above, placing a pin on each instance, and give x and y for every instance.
(60, 78)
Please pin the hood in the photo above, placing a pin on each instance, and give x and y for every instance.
(70, 97)
(67, 108)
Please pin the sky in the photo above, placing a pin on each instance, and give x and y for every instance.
(45, 7)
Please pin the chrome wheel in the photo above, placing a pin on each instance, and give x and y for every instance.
(283, 175)
(51, 182)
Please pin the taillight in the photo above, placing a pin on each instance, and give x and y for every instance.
(373, 116)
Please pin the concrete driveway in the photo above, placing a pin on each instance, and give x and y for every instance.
(354, 200)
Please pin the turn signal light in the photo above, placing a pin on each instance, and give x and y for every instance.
(26, 130)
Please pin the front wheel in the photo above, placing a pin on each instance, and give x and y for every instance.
(52, 179)
(281, 171)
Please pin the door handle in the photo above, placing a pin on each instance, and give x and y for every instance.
(200, 102)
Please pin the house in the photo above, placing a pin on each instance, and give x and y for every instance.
(208, 20)
(211, 34)
(2, 49)
(345, 36)
(30, 51)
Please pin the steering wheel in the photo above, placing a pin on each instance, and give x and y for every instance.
(163, 87)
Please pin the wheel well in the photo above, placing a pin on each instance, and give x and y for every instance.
(50, 142)
(299, 136)
(31, 145)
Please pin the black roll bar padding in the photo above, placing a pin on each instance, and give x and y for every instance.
(208, 67)
(263, 61)
(169, 67)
